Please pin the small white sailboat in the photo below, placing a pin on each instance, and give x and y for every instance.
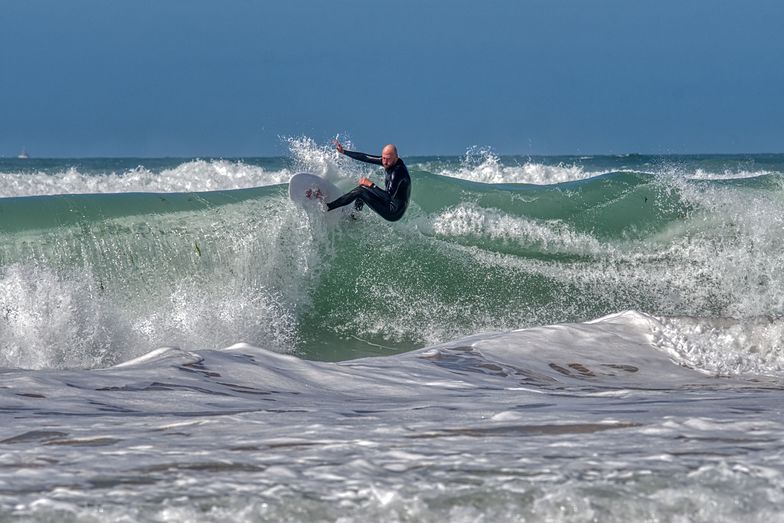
(23, 155)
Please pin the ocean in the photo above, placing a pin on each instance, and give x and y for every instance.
(571, 338)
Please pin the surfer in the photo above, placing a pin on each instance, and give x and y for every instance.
(391, 203)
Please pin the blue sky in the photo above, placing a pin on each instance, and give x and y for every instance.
(230, 78)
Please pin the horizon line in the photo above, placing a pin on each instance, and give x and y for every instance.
(441, 155)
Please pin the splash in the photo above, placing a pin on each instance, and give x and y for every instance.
(481, 164)
(724, 346)
(107, 290)
(323, 160)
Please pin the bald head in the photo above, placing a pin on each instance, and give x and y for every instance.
(389, 156)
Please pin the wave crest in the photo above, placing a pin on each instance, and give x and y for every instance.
(190, 176)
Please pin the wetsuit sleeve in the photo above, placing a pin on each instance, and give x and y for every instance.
(362, 157)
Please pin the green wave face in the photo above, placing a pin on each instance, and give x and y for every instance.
(110, 276)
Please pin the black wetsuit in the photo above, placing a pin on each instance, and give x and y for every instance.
(390, 204)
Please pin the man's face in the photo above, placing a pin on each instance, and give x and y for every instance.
(388, 157)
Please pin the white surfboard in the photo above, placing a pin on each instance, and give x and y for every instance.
(313, 192)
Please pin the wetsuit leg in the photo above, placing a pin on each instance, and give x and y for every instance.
(375, 198)
(346, 199)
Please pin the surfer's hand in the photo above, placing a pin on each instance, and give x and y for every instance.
(338, 146)
(366, 182)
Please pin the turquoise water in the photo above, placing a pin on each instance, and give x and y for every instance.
(171, 304)
(673, 236)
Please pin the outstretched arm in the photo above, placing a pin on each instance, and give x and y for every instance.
(362, 157)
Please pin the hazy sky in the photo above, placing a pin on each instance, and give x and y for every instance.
(234, 77)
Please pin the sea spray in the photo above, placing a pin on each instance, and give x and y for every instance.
(122, 286)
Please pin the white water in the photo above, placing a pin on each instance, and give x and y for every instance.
(94, 299)
(627, 418)
(575, 422)
(193, 175)
(484, 166)
(472, 221)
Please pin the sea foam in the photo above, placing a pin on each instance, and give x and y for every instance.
(189, 176)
